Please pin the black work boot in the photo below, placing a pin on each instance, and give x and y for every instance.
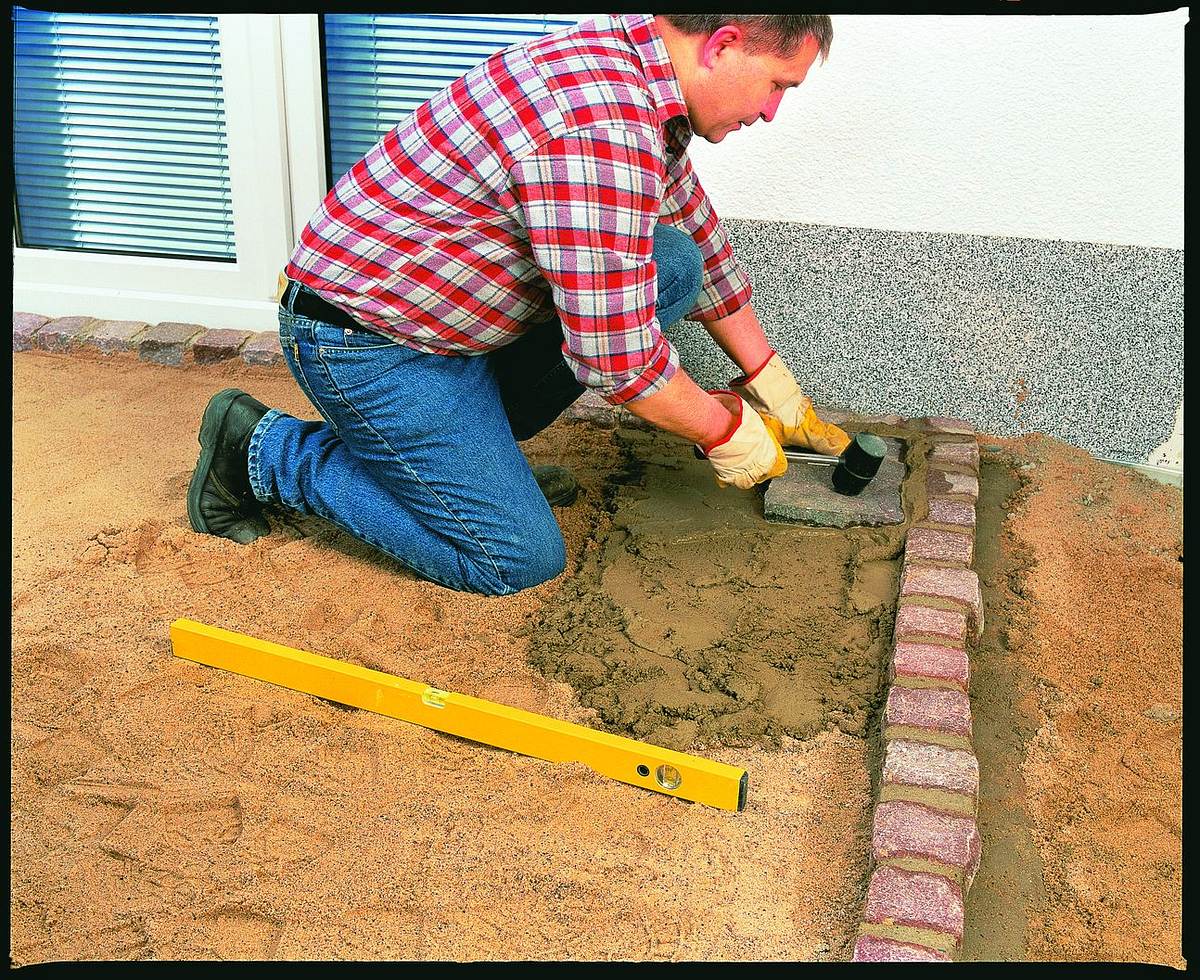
(557, 483)
(219, 498)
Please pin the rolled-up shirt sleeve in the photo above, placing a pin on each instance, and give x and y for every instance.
(590, 201)
(726, 287)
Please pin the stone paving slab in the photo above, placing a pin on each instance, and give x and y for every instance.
(805, 495)
(263, 349)
(218, 345)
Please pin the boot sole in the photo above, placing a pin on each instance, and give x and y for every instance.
(210, 429)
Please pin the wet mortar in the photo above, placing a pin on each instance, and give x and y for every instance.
(695, 622)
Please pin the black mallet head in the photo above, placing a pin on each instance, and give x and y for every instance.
(858, 463)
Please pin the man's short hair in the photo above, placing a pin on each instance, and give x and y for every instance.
(780, 34)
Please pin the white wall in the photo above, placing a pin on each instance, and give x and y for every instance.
(1054, 127)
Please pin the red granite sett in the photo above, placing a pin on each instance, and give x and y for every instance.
(263, 348)
(960, 585)
(25, 328)
(941, 482)
(931, 661)
(958, 453)
(914, 620)
(877, 949)
(943, 510)
(910, 830)
(925, 766)
(218, 345)
(914, 898)
(942, 423)
(166, 343)
(929, 544)
(590, 407)
(113, 336)
(64, 333)
(935, 709)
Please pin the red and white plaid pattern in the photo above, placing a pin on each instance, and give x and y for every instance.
(535, 179)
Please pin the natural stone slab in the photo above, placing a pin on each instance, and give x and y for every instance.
(960, 484)
(218, 345)
(114, 336)
(930, 665)
(896, 897)
(166, 343)
(877, 949)
(956, 453)
(64, 333)
(917, 622)
(917, 838)
(263, 349)
(929, 544)
(933, 775)
(805, 495)
(25, 328)
(938, 715)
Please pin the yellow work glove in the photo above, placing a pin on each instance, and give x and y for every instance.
(749, 454)
(774, 393)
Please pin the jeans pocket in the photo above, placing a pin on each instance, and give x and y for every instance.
(355, 360)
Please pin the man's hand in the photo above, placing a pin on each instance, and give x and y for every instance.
(787, 411)
(750, 453)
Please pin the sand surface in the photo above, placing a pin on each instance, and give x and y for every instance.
(162, 809)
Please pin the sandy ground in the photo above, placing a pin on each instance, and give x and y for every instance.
(161, 809)
(1078, 706)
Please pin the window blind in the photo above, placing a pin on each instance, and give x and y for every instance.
(380, 67)
(119, 138)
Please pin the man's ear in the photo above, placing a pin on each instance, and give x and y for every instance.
(722, 38)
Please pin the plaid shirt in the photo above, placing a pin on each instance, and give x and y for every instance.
(528, 187)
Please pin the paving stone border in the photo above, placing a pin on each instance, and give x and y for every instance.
(925, 844)
(169, 343)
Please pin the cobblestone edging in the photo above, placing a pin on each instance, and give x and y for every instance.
(925, 844)
(174, 344)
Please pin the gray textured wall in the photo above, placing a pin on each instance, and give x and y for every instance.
(1077, 340)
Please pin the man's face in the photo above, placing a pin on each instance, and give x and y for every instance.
(735, 89)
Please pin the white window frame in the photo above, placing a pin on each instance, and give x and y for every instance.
(240, 294)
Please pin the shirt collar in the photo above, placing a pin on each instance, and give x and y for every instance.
(660, 74)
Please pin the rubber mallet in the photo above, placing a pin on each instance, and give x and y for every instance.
(854, 469)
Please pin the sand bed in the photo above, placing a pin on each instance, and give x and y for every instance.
(162, 809)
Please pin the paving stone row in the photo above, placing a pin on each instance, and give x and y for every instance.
(170, 343)
(925, 844)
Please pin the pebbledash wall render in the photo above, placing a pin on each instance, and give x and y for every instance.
(1080, 341)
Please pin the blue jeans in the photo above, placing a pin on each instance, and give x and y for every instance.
(417, 454)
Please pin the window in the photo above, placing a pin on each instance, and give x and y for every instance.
(119, 134)
(379, 67)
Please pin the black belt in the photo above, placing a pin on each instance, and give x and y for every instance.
(309, 304)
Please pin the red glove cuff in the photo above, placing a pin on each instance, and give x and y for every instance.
(747, 378)
(737, 420)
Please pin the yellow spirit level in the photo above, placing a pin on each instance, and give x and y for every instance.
(637, 763)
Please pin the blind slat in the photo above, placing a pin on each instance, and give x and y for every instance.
(380, 67)
(119, 136)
